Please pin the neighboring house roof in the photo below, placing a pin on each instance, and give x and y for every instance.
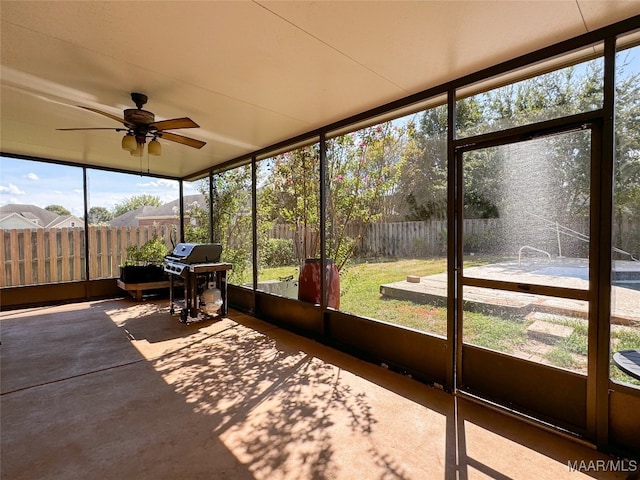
(38, 215)
(130, 218)
(34, 217)
(172, 209)
(168, 210)
(66, 221)
(15, 220)
(29, 216)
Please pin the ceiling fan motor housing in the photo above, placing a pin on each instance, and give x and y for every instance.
(136, 116)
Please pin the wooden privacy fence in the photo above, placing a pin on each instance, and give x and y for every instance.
(483, 235)
(36, 256)
(397, 239)
(306, 243)
(403, 239)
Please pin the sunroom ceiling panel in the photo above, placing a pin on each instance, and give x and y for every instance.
(238, 49)
(251, 73)
(417, 45)
(600, 14)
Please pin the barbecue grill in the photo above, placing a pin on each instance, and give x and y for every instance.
(198, 266)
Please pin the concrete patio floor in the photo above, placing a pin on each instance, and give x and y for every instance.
(121, 390)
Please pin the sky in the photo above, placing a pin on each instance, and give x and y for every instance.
(43, 184)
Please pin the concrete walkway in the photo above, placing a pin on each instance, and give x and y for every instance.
(121, 390)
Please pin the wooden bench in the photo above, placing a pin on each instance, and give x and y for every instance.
(136, 289)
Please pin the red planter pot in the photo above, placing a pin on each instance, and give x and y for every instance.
(309, 283)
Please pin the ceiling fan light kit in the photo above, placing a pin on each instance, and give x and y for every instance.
(154, 148)
(129, 142)
(140, 125)
(137, 152)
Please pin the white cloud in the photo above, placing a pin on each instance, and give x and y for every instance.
(190, 188)
(32, 176)
(160, 183)
(9, 201)
(12, 189)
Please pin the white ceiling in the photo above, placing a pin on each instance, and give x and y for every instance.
(251, 73)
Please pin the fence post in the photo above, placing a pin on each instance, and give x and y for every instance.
(40, 256)
(113, 251)
(122, 251)
(28, 256)
(93, 252)
(77, 236)
(15, 257)
(3, 275)
(53, 255)
(64, 245)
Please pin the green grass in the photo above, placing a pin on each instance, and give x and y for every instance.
(493, 332)
(360, 295)
(360, 292)
(561, 357)
(360, 283)
(577, 341)
(274, 273)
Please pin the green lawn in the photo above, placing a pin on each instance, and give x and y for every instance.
(360, 295)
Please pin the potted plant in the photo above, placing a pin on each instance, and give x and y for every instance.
(144, 263)
(295, 197)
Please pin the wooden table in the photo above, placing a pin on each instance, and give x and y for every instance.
(136, 289)
(629, 362)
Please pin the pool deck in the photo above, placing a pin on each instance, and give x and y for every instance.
(432, 289)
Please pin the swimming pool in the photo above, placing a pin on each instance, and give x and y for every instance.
(564, 271)
(626, 278)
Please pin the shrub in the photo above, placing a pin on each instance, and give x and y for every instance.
(278, 252)
(240, 258)
(152, 252)
(487, 242)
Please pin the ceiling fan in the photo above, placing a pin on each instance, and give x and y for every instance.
(140, 125)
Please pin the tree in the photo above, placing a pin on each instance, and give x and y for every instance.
(422, 187)
(196, 230)
(99, 216)
(292, 197)
(627, 166)
(361, 177)
(422, 184)
(59, 209)
(232, 220)
(134, 202)
(566, 164)
(563, 92)
(363, 169)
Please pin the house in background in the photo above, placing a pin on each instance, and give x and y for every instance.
(17, 221)
(167, 214)
(130, 218)
(30, 216)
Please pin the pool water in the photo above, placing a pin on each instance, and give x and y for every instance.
(573, 272)
(628, 281)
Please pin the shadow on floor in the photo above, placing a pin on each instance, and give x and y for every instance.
(122, 390)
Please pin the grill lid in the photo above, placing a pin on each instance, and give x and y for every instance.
(191, 253)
